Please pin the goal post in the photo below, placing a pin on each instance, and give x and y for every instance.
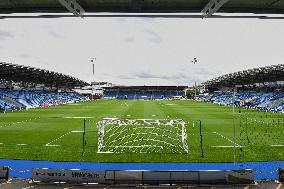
(116, 135)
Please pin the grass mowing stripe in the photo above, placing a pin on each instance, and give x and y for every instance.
(37, 133)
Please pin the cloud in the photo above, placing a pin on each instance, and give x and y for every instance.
(145, 75)
(121, 20)
(206, 72)
(178, 78)
(56, 34)
(147, 20)
(129, 40)
(4, 35)
(153, 36)
(125, 77)
(24, 55)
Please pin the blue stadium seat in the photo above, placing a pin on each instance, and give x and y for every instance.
(19, 99)
(271, 101)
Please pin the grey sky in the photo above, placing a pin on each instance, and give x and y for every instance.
(148, 51)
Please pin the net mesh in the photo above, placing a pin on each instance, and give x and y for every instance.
(261, 135)
(142, 136)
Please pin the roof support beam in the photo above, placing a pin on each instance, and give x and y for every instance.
(212, 7)
(73, 7)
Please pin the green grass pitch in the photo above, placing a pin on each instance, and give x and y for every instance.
(54, 133)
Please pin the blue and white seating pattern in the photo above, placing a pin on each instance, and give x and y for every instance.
(142, 95)
(24, 99)
(271, 101)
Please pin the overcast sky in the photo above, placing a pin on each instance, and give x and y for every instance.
(142, 51)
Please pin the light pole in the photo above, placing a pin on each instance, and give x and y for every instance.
(93, 64)
(234, 124)
(194, 61)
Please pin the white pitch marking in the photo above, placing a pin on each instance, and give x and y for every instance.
(53, 145)
(21, 144)
(10, 124)
(76, 131)
(108, 152)
(277, 145)
(78, 117)
(237, 145)
(128, 115)
(226, 146)
(58, 138)
(149, 127)
(1, 143)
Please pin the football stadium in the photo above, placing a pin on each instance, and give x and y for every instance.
(214, 128)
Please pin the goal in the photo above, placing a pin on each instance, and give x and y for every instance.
(117, 135)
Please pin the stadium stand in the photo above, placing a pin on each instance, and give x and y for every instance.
(273, 101)
(144, 92)
(23, 99)
(20, 73)
(259, 88)
(35, 87)
(248, 77)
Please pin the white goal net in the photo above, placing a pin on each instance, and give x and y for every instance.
(142, 136)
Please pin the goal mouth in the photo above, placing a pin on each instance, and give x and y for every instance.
(121, 135)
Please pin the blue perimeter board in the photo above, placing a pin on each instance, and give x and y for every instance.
(262, 170)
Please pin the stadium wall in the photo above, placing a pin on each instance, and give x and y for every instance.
(262, 170)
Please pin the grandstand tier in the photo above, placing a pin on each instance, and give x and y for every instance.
(271, 101)
(23, 87)
(20, 73)
(251, 76)
(258, 88)
(144, 92)
(25, 99)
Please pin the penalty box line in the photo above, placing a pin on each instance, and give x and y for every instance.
(56, 139)
(226, 138)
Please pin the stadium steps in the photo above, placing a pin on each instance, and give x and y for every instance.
(11, 101)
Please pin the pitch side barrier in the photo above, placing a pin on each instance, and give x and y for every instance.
(4, 172)
(113, 177)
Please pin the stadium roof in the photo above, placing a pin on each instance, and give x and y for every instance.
(247, 77)
(18, 73)
(79, 7)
